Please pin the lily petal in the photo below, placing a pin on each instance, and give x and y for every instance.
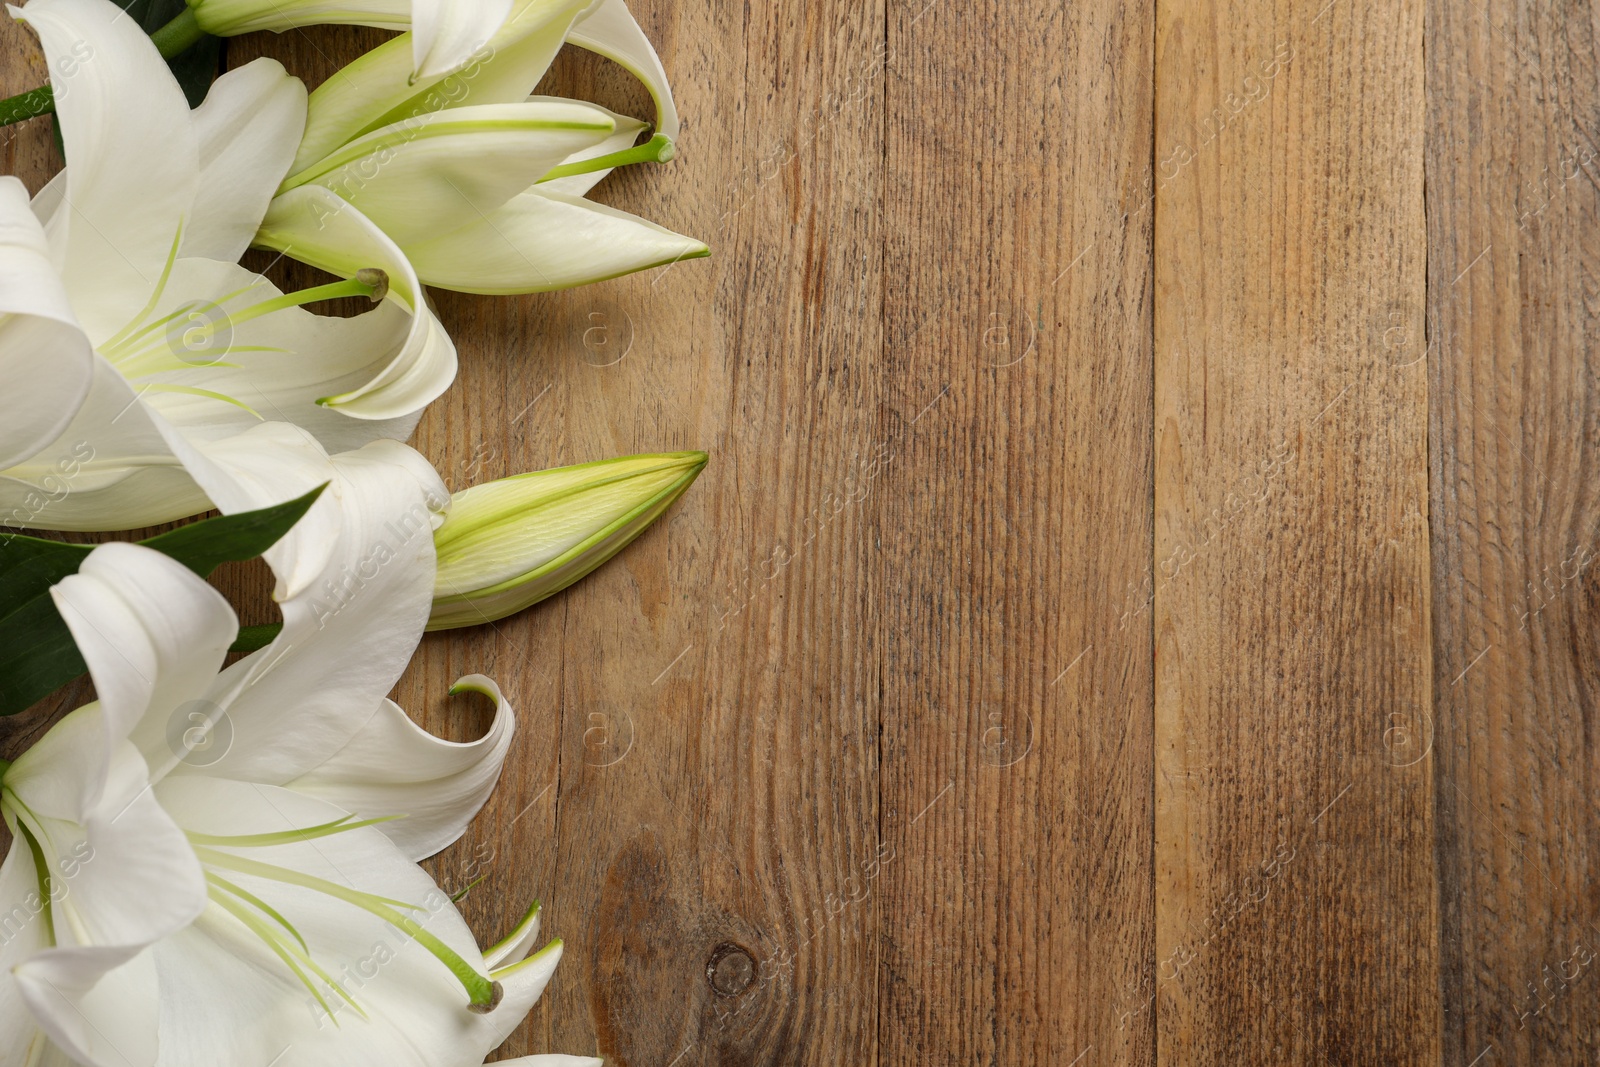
(447, 168)
(133, 880)
(267, 465)
(394, 767)
(48, 199)
(379, 90)
(248, 129)
(229, 18)
(80, 1012)
(314, 225)
(447, 33)
(129, 135)
(523, 983)
(347, 634)
(45, 359)
(518, 944)
(609, 29)
(544, 240)
(22, 933)
(110, 469)
(154, 636)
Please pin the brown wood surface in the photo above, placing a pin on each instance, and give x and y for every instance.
(1511, 135)
(1016, 759)
(1138, 608)
(1295, 895)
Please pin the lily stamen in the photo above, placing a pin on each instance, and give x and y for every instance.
(155, 355)
(482, 992)
(287, 837)
(369, 282)
(155, 297)
(658, 149)
(296, 959)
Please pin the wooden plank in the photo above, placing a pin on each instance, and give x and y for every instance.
(717, 776)
(1014, 520)
(1295, 897)
(1512, 219)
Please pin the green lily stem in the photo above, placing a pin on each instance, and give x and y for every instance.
(28, 105)
(179, 35)
(171, 40)
(659, 149)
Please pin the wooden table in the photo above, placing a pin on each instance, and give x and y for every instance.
(1138, 607)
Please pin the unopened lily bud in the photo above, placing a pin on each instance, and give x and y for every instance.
(510, 543)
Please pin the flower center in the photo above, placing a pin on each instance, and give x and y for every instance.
(199, 333)
(25, 824)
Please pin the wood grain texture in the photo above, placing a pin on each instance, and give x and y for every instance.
(1017, 916)
(1514, 314)
(1292, 578)
(1138, 607)
(734, 648)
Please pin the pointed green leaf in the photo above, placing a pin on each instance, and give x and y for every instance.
(203, 546)
(37, 653)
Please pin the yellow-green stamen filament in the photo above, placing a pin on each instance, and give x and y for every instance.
(155, 297)
(296, 959)
(151, 352)
(482, 992)
(219, 882)
(656, 150)
(374, 288)
(287, 837)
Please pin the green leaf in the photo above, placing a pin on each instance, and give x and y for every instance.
(253, 638)
(204, 546)
(32, 565)
(37, 653)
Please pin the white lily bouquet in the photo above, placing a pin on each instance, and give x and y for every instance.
(216, 863)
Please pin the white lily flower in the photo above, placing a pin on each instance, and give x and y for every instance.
(201, 870)
(130, 316)
(479, 183)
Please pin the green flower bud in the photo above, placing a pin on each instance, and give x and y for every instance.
(510, 543)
